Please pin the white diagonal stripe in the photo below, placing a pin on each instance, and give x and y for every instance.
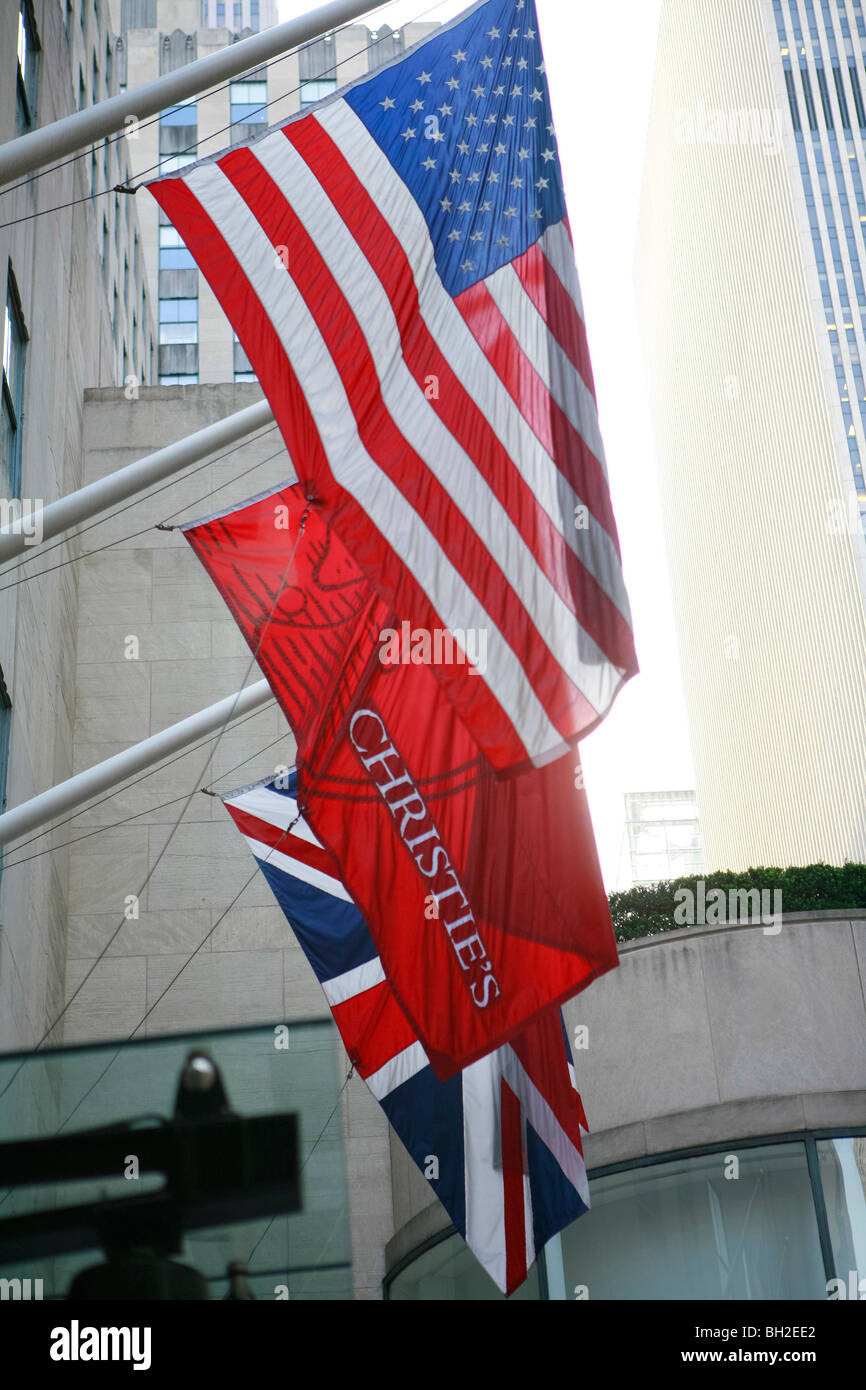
(543, 1120)
(275, 858)
(279, 811)
(401, 1068)
(349, 461)
(563, 381)
(353, 982)
(597, 552)
(557, 249)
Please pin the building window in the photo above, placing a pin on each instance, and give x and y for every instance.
(189, 379)
(315, 90)
(239, 15)
(220, 13)
(858, 97)
(674, 1228)
(170, 163)
(810, 105)
(254, 15)
(28, 50)
(14, 350)
(248, 103)
(825, 98)
(245, 376)
(840, 93)
(173, 255)
(178, 321)
(185, 113)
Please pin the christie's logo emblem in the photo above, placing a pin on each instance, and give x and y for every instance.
(419, 834)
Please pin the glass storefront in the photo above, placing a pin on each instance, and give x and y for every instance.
(297, 1068)
(772, 1220)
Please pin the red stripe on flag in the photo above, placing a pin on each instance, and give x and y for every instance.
(375, 1022)
(557, 308)
(284, 841)
(459, 412)
(387, 446)
(512, 1182)
(543, 1039)
(546, 418)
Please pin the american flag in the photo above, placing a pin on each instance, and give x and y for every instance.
(397, 263)
(500, 1142)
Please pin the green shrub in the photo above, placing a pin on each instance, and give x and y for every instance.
(813, 888)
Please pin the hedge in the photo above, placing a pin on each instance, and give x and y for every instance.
(813, 888)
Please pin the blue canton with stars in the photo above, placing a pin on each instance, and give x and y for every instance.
(465, 120)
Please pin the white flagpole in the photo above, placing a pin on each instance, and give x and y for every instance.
(82, 128)
(84, 785)
(39, 524)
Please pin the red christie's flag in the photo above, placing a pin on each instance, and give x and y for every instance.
(397, 264)
(483, 895)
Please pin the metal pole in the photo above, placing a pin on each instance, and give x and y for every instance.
(39, 524)
(75, 132)
(84, 785)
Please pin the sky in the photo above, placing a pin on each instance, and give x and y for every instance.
(600, 60)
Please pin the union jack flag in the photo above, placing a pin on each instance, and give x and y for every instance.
(500, 1142)
(397, 264)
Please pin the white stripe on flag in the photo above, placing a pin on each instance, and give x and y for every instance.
(527, 1201)
(482, 1160)
(557, 249)
(561, 378)
(275, 859)
(402, 1067)
(350, 463)
(424, 429)
(278, 810)
(538, 1113)
(597, 552)
(353, 982)
(446, 324)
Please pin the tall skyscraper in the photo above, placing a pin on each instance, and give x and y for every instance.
(751, 264)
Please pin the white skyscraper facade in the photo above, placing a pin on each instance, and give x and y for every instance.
(750, 272)
(822, 50)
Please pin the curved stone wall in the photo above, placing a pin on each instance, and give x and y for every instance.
(703, 1035)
